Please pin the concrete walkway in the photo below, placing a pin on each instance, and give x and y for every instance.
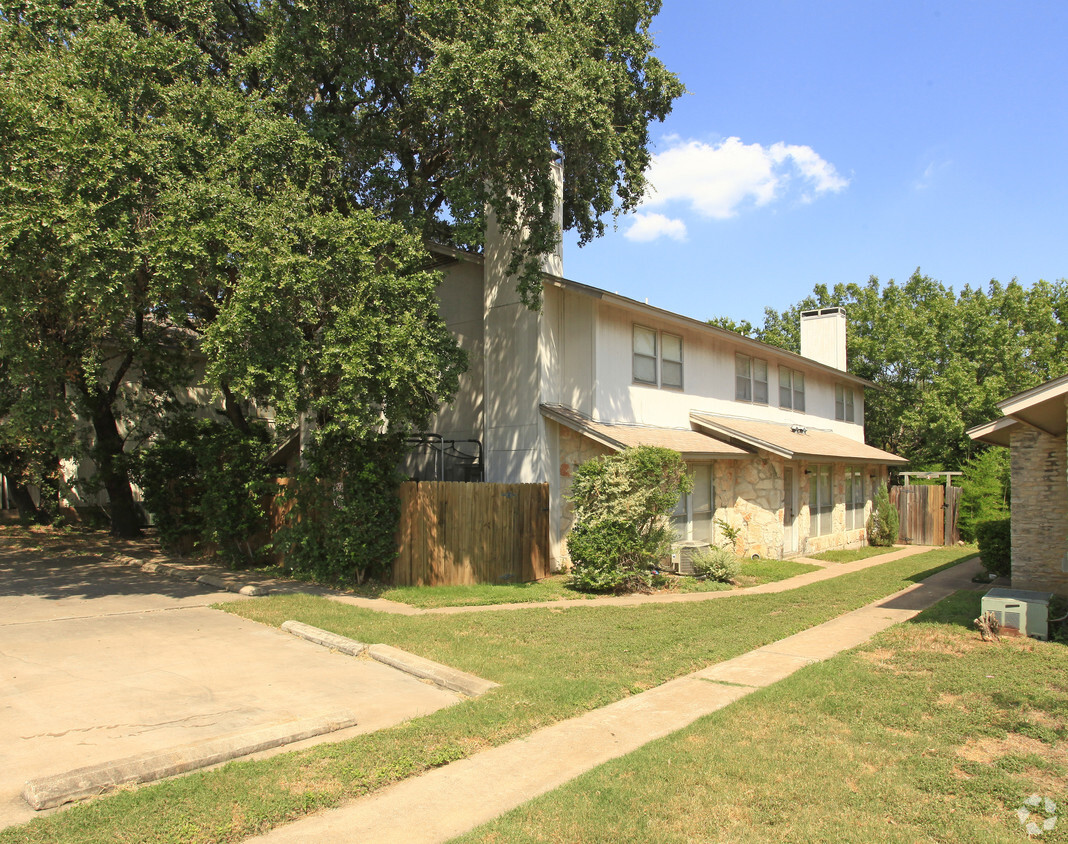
(826, 572)
(451, 800)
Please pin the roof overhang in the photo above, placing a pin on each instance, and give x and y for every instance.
(1044, 408)
(792, 442)
(692, 445)
(996, 432)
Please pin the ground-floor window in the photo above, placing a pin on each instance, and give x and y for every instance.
(820, 500)
(854, 498)
(693, 515)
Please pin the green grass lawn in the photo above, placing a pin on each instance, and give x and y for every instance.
(555, 588)
(553, 663)
(945, 740)
(851, 555)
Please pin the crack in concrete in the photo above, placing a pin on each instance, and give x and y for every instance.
(208, 717)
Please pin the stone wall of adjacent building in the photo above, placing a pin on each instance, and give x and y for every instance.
(1039, 511)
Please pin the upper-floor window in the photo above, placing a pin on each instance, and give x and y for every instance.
(843, 403)
(750, 379)
(657, 357)
(791, 389)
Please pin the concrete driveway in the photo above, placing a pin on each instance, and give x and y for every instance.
(103, 662)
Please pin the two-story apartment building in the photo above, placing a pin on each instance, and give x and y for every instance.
(775, 440)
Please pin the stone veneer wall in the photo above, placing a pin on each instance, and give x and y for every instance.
(1039, 511)
(749, 495)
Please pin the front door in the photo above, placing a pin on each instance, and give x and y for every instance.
(789, 511)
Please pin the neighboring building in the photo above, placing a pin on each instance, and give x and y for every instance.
(1033, 427)
(775, 440)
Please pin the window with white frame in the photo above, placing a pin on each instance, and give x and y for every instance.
(657, 358)
(750, 379)
(791, 389)
(692, 518)
(671, 360)
(854, 498)
(843, 403)
(820, 500)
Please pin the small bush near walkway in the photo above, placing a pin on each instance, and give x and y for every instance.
(883, 521)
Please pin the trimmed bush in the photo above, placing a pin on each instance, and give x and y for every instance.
(621, 507)
(883, 521)
(995, 546)
(719, 564)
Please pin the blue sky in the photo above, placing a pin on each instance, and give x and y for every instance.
(825, 142)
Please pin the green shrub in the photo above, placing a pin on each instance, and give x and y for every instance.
(984, 491)
(719, 564)
(995, 546)
(883, 521)
(344, 509)
(204, 483)
(621, 530)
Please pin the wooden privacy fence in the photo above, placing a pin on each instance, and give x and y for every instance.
(454, 533)
(928, 514)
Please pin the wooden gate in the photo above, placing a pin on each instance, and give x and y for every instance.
(465, 533)
(928, 514)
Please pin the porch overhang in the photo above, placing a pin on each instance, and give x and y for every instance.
(692, 445)
(792, 442)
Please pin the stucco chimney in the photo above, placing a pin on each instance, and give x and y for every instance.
(823, 336)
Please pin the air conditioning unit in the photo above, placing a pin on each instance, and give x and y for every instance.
(1020, 611)
(682, 554)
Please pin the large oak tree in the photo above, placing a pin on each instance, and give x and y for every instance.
(256, 181)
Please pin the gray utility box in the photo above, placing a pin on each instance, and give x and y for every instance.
(1020, 611)
(682, 556)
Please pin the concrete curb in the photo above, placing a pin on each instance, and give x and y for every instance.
(325, 638)
(440, 675)
(47, 792)
(435, 672)
(210, 579)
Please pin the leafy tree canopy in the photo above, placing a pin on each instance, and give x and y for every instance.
(256, 180)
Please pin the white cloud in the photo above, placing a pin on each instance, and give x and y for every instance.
(647, 227)
(717, 180)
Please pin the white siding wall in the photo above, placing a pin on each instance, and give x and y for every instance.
(460, 303)
(708, 379)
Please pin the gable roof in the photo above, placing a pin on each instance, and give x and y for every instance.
(748, 343)
(792, 442)
(618, 436)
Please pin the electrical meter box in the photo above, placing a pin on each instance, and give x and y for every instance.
(1020, 611)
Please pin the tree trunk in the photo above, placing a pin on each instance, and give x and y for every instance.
(110, 467)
